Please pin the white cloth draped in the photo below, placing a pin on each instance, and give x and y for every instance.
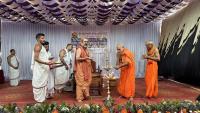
(40, 77)
(51, 76)
(62, 75)
(14, 73)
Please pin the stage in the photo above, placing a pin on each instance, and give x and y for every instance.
(168, 89)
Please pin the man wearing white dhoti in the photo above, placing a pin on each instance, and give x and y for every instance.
(40, 69)
(51, 76)
(13, 68)
(63, 73)
(71, 82)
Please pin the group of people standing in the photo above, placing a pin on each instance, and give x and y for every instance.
(44, 64)
(126, 64)
(58, 73)
(50, 74)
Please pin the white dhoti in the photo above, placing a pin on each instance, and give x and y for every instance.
(51, 76)
(50, 84)
(40, 94)
(14, 73)
(40, 77)
(62, 75)
(61, 78)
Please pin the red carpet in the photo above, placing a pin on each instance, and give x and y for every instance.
(23, 95)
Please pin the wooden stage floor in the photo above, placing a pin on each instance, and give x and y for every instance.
(23, 95)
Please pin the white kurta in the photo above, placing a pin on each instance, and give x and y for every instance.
(40, 77)
(50, 85)
(62, 75)
(14, 73)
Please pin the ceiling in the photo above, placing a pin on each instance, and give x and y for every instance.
(86, 12)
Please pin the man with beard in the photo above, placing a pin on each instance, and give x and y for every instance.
(40, 69)
(151, 74)
(126, 84)
(83, 71)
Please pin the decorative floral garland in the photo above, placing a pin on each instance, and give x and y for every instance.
(109, 106)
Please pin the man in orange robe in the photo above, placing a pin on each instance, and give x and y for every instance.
(151, 75)
(126, 84)
(83, 71)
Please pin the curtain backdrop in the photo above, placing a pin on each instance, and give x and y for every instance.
(180, 45)
(21, 37)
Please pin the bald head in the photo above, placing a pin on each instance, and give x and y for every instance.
(149, 45)
(84, 42)
(120, 48)
(120, 45)
(83, 39)
(149, 42)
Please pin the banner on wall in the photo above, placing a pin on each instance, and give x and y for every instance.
(95, 39)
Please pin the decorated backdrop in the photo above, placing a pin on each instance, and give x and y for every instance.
(180, 45)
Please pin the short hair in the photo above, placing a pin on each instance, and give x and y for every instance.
(12, 50)
(69, 45)
(39, 35)
(45, 43)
